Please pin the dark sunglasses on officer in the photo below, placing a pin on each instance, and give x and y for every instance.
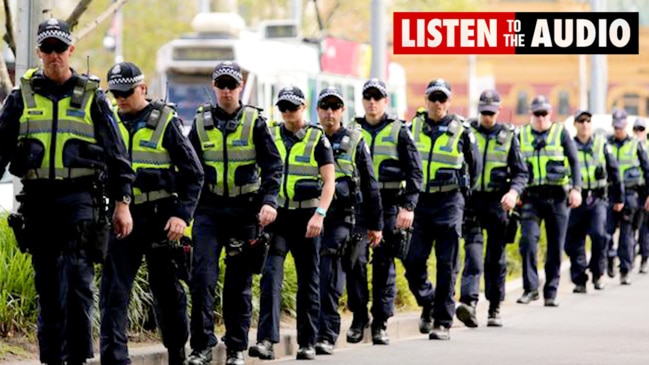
(124, 94)
(57, 47)
(487, 113)
(287, 107)
(373, 94)
(437, 96)
(223, 83)
(638, 129)
(584, 119)
(540, 113)
(333, 105)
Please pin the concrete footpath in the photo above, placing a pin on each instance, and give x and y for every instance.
(574, 322)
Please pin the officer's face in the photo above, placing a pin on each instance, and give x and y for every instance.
(292, 114)
(374, 103)
(488, 118)
(437, 104)
(56, 58)
(640, 133)
(330, 113)
(541, 119)
(583, 126)
(620, 132)
(227, 92)
(131, 101)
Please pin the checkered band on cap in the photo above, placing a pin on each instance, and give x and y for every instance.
(439, 85)
(289, 96)
(126, 80)
(330, 91)
(377, 84)
(228, 69)
(54, 33)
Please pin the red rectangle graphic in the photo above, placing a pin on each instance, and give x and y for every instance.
(454, 33)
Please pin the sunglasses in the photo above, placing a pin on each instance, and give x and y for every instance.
(583, 120)
(229, 84)
(540, 114)
(58, 47)
(438, 97)
(640, 129)
(122, 94)
(333, 106)
(487, 113)
(375, 96)
(287, 107)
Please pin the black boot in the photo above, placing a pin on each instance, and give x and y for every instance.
(357, 329)
(379, 334)
(177, 356)
(426, 319)
(466, 313)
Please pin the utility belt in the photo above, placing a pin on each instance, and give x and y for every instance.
(302, 204)
(545, 192)
(599, 193)
(181, 254)
(392, 185)
(152, 196)
(255, 250)
(53, 188)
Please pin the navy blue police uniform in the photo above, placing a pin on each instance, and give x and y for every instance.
(243, 172)
(169, 178)
(60, 196)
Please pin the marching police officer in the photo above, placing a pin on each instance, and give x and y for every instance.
(640, 131)
(634, 166)
(554, 186)
(598, 167)
(355, 185)
(397, 166)
(234, 143)
(450, 164)
(168, 182)
(503, 178)
(306, 192)
(59, 135)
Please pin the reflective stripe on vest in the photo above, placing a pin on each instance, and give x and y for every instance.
(383, 147)
(627, 159)
(346, 161)
(495, 152)
(227, 155)
(299, 164)
(538, 159)
(444, 153)
(590, 161)
(146, 151)
(55, 124)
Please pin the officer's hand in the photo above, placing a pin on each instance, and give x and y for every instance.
(314, 228)
(267, 215)
(508, 202)
(122, 220)
(574, 198)
(646, 204)
(375, 237)
(404, 218)
(617, 207)
(175, 228)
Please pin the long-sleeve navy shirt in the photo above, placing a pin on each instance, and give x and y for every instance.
(518, 173)
(409, 159)
(120, 173)
(616, 187)
(371, 209)
(189, 172)
(268, 158)
(466, 144)
(569, 150)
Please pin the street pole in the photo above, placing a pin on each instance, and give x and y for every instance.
(119, 36)
(296, 12)
(379, 41)
(472, 103)
(598, 72)
(30, 13)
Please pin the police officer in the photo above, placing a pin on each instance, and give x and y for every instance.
(554, 186)
(598, 167)
(634, 166)
(307, 189)
(234, 143)
(168, 182)
(59, 135)
(450, 164)
(496, 192)
(397, 165)
(355, 185)
(640, 131)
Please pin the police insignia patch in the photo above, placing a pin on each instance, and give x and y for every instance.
(116, 70)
